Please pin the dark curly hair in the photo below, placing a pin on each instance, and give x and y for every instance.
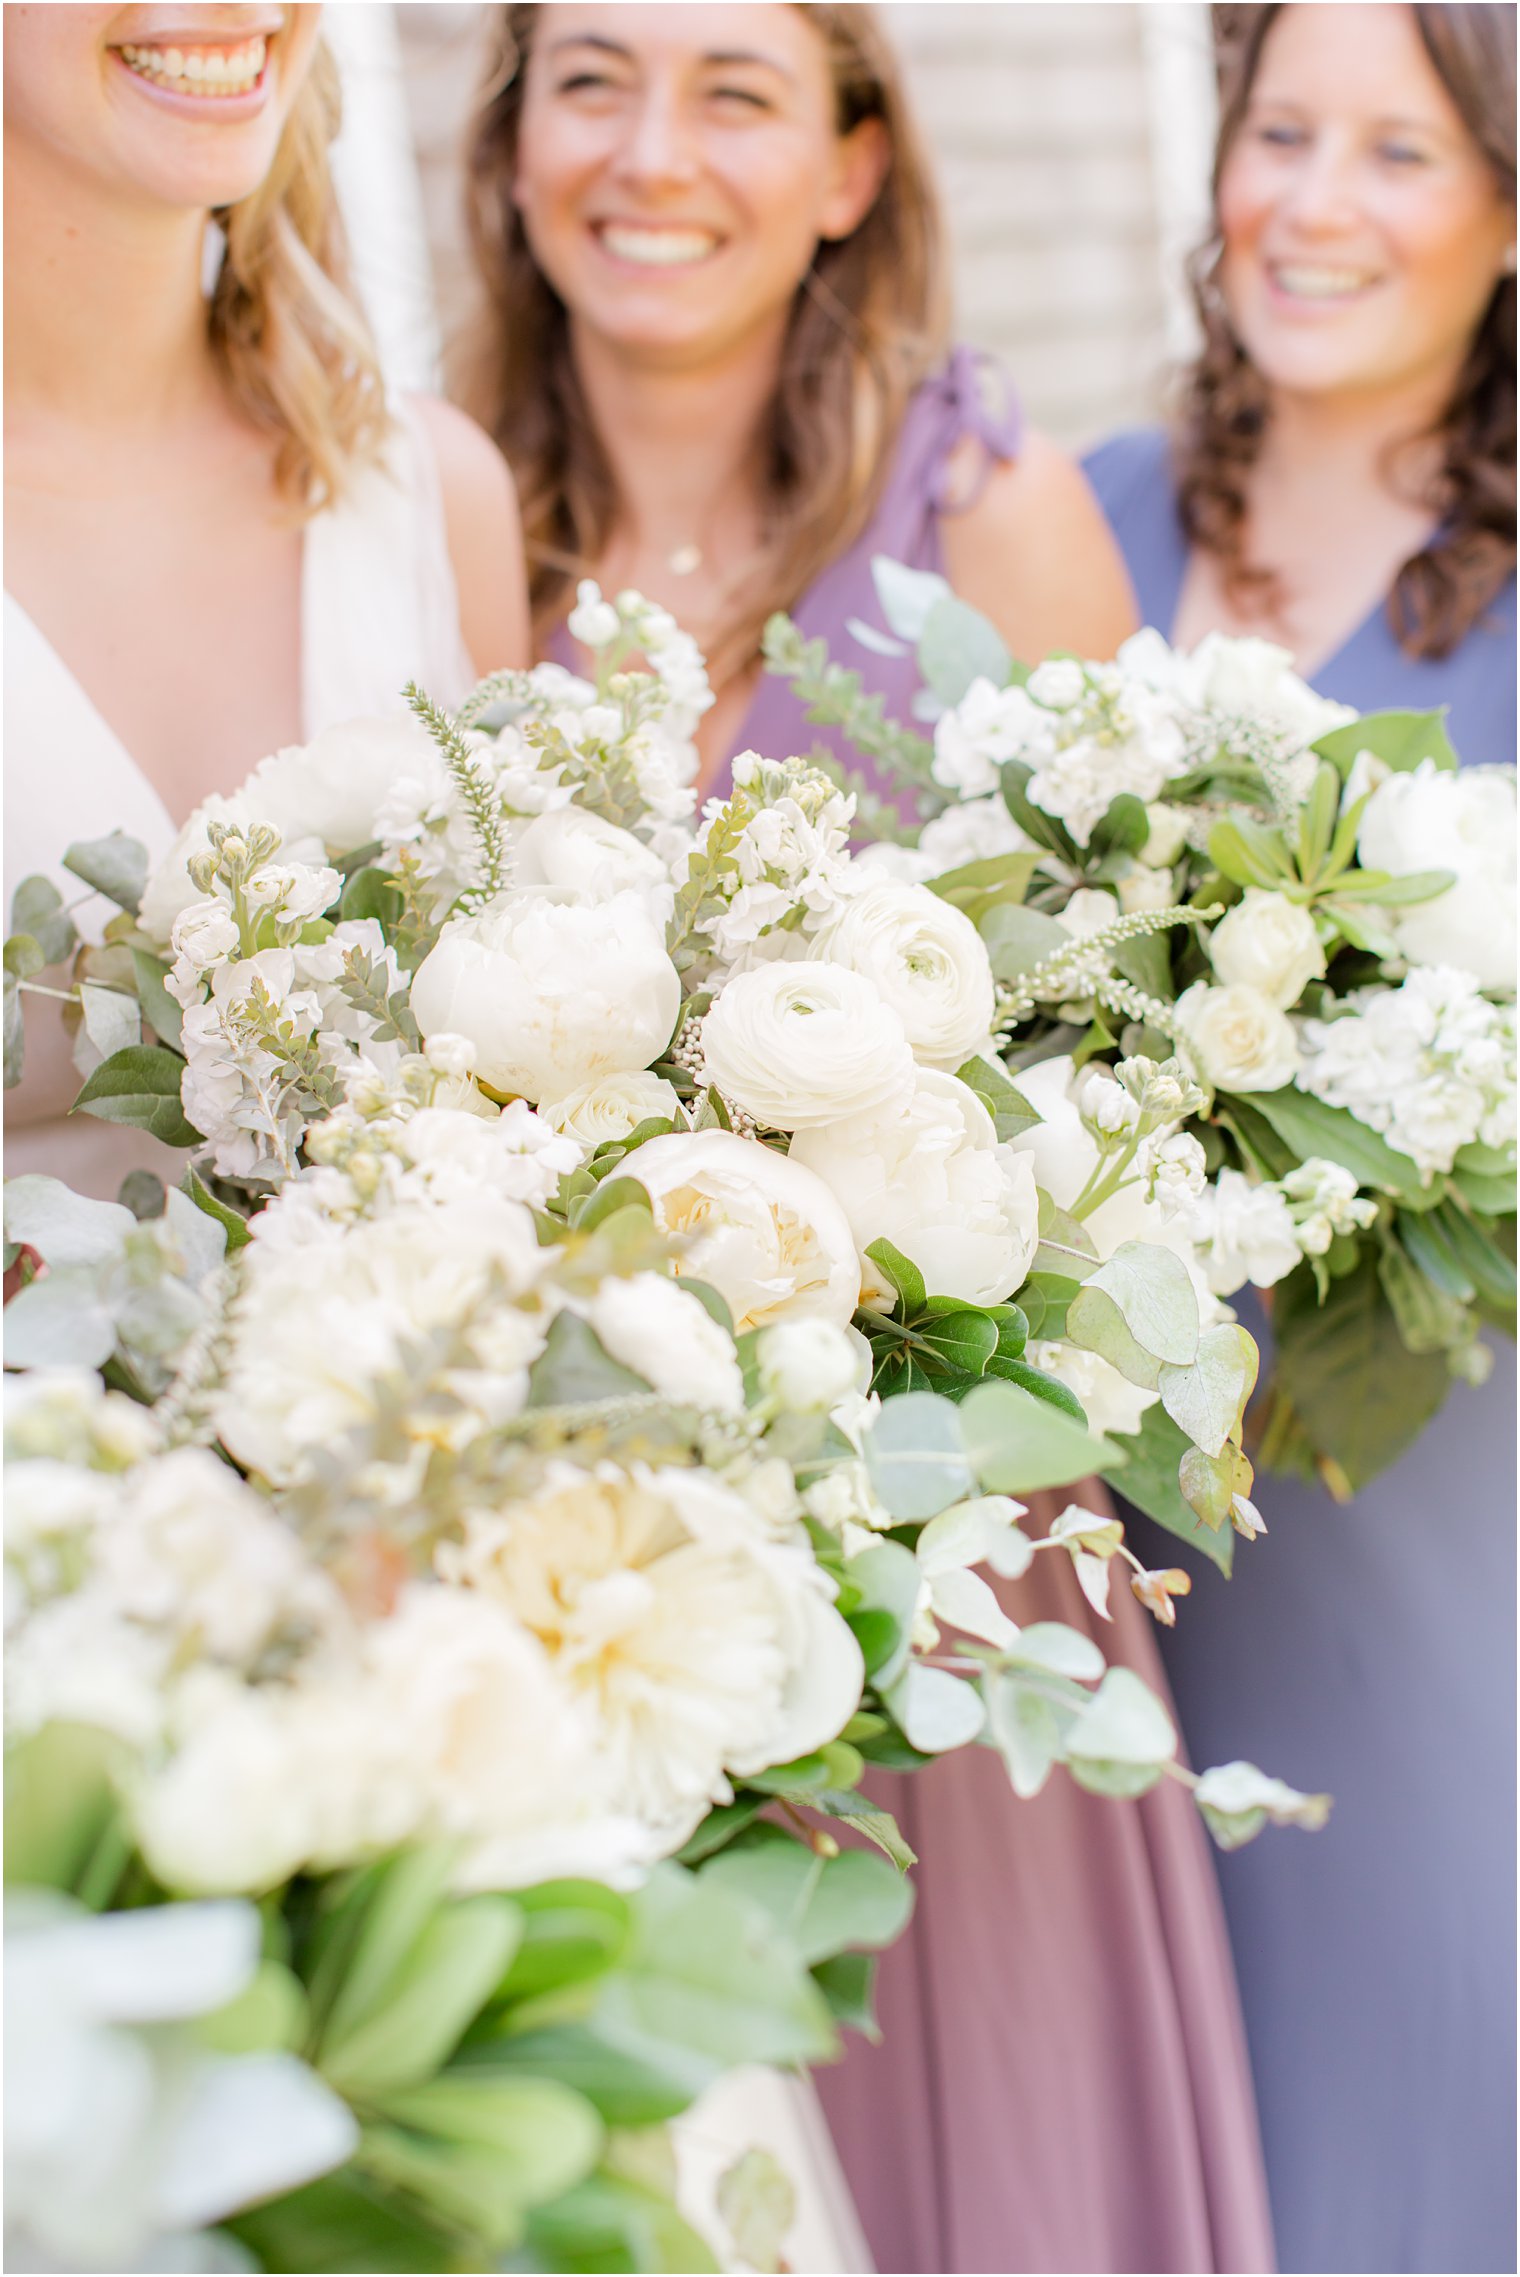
(1442, 591)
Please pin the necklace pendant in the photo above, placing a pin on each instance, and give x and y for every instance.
(685, 561)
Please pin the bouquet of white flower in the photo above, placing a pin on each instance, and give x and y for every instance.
(1314, 911)
(467, 1523)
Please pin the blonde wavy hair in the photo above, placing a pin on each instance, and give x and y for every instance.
(868, 326)
(294, 346)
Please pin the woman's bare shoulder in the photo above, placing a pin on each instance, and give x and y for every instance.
(484, 533)
(1033, 552)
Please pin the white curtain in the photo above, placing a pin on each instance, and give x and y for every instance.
(375, 173)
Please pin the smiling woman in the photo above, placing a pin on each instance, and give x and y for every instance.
(220, 534)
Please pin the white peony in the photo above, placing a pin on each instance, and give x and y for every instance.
(612, 1106)
(931, 1178)
(1269, 943)
(330, 789)
(1433, 819)
(668, 1337)
(927, 960)
(1236, 1038)
(1245, 1232)
(698, 1643)
(766, 1233)
(580, 853)
(552, 994)
(797, 1045)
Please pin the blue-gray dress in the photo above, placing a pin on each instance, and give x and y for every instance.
(1370, 1650)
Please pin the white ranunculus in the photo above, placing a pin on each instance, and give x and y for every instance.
(1268, 943)
(580, 853)
(1245, 1232)
(808, 1366)
(797, 1045)
(1236, 1038)
(931, 1178)
(766, 1233)
(927, 960)
(668, 1337)
(1111, 1403)
(1433, 819)
(126, 2136)
(612, 1106)
(552, 994)
(697, 1642)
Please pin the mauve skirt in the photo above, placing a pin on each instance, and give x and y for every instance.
(1062, 2080)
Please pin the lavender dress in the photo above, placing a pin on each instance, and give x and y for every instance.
(1371, 1650)
(1062, 2081)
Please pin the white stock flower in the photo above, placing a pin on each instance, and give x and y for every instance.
(1176, 1171)
(1430, 1064)
(126, 2135)
(593, 621)
(767, 1234)
(1434, 819)
(1058, 683)
(204, 934)
(1247, 678)
(927, 960)
(699, 1644)
(1236, 1038)
(552, 994)
(613, 1106)
(1245, 1232)
(1112, 1404)
(973, 830)
(972, 740)
(515, 1156)
(668, 1337)
(796, 1045)
(930, 1177)
(809, 1366)
(1268, 943)
(579, 853)
(1323, 1198)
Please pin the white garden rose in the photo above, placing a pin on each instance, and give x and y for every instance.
(582, 854)
(1434, 819)
(613, 1106)
(1268, 943)
(797, 1045)
(766, 1233)
(1236, 1038)
(698, 1643)
(552, 994)
(668, 1337)
(329, 789)
(931, 1178)
(927, 960)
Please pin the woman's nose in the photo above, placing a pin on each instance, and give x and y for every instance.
(1321, 195)
(659, 145)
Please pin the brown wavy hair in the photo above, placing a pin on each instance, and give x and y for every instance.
(284, 325)
(868, 324)
(1442, 591)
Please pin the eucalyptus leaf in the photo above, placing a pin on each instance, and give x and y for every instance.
(906, 595)
(1124, 1722)
(1208, 1396)
(1153, 1456)
(60, 1321)
(887, 1578)
(1018, 1443)
(573, 1367)
(163, 1015)
(1018, 939)
(1028, 1729)
(935, 1710)
(821, 1905)
(37, 908)
(141, 1086)
(1138, 1311)
(23, 957)
(14, 1033)
(63, 1227)
(115, 865)
(915, 1453)
(959, 646)
(112, 1022)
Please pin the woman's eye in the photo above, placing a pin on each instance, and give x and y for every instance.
(582, 82)
(743, 95)
(1401, 154)
(1282, 137)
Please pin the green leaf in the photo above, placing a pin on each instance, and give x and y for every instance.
(957, 646)
(233, 1224)
(1153, 1454)
(37, 908)
(111, 1020)
(445, 1979)
(1428, 1319)
(1249, 854)
(916, 1455)
(574, 1368)
(1488, 1267)
(60, 1803)
(1310, 1127)
(1122, 829)
(270, 2012)
(719, 1827)
(1042, 1386)
(1208, 1396)
(1004, 1102)
(1120, 1740)
(907, 596)
(1393, 892)
(964, 1340)
(23, 957)
(902, 1275)
(1018, 939)
(543, 2137)
(571, 1931)
(611, 1196)
(822, 1905)
(629, 2089)
(707, 1974)
(1017, 1443)
(116, 866)
(1028, 1728)
(876, 1825)
(886, 1576)
(369, 893)
(140, 1087)
(1400, 739)
(1361, 1395)
(373, 1927)
(14, 1032)
(160, 1011)
(1138, 1311)
(934, 1710)
(975, 888)
(848, 1984)
(609, 2223)
(343, 2222)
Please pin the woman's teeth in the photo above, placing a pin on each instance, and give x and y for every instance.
(1319, 283)
(200, 70)
(658, 248)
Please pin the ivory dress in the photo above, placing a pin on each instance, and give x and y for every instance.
(378, 607)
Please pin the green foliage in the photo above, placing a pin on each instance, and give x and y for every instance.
(1153, 1455)
(573, 1367)
(37, 910)
(231, 1221)
(959, 645)
(834, 697)
(1360, 1394)
(1309, 1126)
(1400, 739)
(62, 1824)
(1017, 1442)
(824, 1905)
(140, 1086)
(116, 866)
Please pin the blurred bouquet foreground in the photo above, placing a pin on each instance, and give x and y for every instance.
(466, 1544)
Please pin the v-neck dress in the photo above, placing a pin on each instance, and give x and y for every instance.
(378, 607)
(1370, 1649)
